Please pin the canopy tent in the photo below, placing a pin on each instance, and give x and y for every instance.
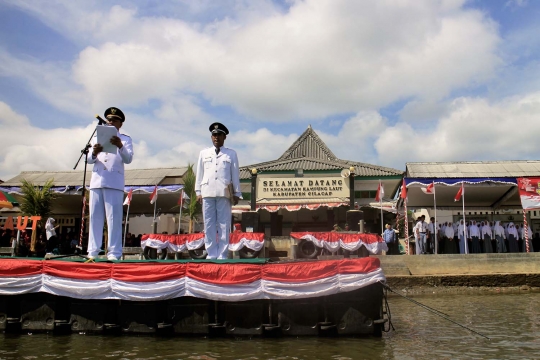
(480, 193)
(488, 184)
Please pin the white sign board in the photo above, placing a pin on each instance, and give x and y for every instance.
(302, 188)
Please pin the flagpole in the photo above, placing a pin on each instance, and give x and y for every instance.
(181, 204)
(406, 229)
(155, 220)
(125, 227)
(380, 204)
(435, 242)
(526, 230)
(466, 246)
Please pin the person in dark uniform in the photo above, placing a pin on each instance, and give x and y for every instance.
(217, 186)
(107, 188)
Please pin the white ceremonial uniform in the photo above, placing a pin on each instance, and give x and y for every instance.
(421, 229)
(214, 174)
(106, 197)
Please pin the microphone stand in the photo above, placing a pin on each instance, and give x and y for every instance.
(84, 152)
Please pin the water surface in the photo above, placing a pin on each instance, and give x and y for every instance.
(510, 320)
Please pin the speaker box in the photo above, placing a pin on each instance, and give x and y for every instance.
(250, 219)
(353, 218)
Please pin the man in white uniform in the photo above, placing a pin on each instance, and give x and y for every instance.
(420, 230)
(217, 187)
(107, 189)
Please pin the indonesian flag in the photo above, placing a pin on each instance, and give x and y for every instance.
(459, 193)
(127, 201)
(403, 190)
(380, 192)
(183, 196)
(430, 190)
(153, 196)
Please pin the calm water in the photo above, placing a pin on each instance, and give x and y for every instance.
(512, 321)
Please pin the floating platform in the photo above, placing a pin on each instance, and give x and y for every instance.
(194, 297)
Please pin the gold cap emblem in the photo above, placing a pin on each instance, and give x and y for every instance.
(113, 111)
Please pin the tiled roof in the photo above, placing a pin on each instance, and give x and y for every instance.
(310, 153)
(309, 145)
(74, 178)
(473, 169)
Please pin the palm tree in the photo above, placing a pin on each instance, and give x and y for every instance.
(37, 201)
(194, 208)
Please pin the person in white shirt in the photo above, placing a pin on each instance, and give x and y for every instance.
(500, 236)
(421, 229)
(50, 232)
(512, 238)
(107, 189)
(430, 244)
(474, 235)
(463, 235)
(485, 231)
(217, 186)
(449, 243)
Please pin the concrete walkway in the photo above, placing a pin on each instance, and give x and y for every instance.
(473, 270)
(455, 264)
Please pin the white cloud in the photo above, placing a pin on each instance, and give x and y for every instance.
(517, 3)
(317, 59)
(25, 147)
(422, 111)
(474, 129)
(354, 140)
(259, 146)
(49, 81)
(313, 60)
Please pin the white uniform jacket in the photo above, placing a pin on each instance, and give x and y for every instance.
(216, 172)
(108, 169)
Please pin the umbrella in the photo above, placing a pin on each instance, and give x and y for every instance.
(7, 201)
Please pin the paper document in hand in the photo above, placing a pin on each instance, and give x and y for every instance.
(104, 135)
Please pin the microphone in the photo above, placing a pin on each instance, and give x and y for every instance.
(101, 121)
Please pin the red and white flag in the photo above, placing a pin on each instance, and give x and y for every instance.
(183, 196)
(430, 190)
(380, 192)
(127, 201)
(153, 196)
(459, 193)
(403, 190)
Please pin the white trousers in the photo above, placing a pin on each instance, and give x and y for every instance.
(420, 244)
(217, 219)
(105, 203)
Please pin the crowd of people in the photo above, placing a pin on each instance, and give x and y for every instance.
(473, 237)
(64, 244)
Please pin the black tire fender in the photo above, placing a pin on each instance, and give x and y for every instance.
(247, 253)
(199, 253)
(307, 249)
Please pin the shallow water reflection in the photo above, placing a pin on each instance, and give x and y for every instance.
(510, 320)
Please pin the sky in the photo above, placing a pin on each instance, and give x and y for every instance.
(383, 82)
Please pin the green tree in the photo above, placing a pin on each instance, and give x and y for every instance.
(193, 208)
(37, 201)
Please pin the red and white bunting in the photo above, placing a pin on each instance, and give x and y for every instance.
(222, 282)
